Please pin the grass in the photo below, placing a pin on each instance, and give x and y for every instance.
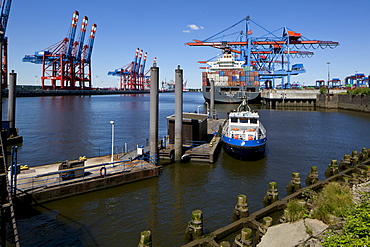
(335, 199)
(295, 211)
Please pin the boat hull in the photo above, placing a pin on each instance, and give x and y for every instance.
(232, 94)
(244, 150)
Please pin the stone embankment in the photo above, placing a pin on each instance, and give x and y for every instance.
(344, 101)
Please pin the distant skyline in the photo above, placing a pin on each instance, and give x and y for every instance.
(161, 28)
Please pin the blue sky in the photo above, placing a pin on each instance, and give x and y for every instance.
(161, 28)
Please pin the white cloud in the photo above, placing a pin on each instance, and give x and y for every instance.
(194, 27)
(186, 31)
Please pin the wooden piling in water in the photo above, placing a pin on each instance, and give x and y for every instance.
(241, 208)
(272, 194)
(145, 239)
(313, 176)
(244, 239)
(295, 183)
(195, 226)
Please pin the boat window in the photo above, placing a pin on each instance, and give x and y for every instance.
(244, 120)
(254, 120)
(234, 120)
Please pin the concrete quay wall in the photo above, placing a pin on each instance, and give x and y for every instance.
(344, 101)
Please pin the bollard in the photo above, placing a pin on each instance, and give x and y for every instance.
(224, 244)
(332, 169)
(244, 239)
(354, 180)
(313, 176)
(145, 239)
(272, 194)
(345, 163)
(241, 208)
(195, 227)
(295, 183)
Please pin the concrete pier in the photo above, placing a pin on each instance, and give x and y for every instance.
(47, 182)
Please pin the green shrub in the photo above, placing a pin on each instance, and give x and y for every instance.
(323, 90)
(359, 91)
(356, 231)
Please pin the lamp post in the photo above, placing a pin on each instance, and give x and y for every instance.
(112, 123)
(328, 63)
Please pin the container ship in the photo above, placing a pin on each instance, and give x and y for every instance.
(233, 80)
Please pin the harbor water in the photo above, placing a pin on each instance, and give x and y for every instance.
(66, 127)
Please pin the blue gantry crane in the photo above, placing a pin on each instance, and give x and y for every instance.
(269, 54)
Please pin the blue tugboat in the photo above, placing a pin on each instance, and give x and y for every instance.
(243, 135)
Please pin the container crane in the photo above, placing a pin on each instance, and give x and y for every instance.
(68, 61)
(5, 11)
(133, 75)
(269, 54)
(86, 73)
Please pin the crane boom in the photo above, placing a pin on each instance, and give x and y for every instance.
(5, 10)
(91, 42)
(139, 62)
(72, 33)
(143, 66)
(81, 38)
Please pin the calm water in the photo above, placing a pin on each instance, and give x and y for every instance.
(60, 128)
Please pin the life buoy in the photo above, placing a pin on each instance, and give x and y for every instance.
(250, 138)
(103, 172)
(235, 129)
(236, 137)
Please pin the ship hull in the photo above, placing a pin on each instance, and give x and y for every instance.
(244, 150)
(232, 94)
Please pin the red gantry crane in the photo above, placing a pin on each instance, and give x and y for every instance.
(68, 61)
(133, 76)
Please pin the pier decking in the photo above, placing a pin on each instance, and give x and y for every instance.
(206, 151)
